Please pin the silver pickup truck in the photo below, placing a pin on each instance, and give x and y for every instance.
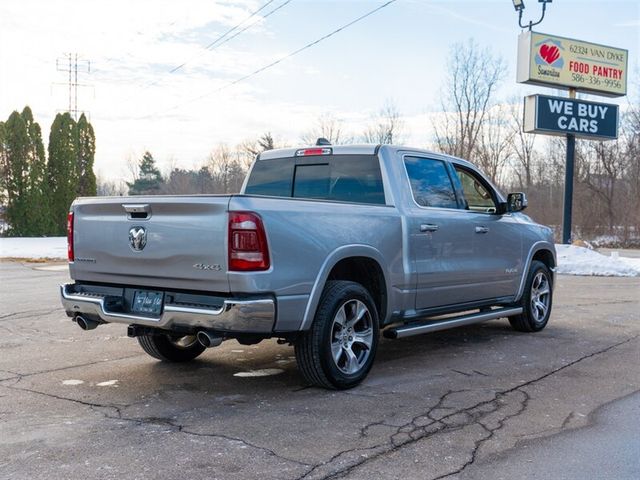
(326, 247)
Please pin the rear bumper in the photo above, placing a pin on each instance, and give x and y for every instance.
(256, 315)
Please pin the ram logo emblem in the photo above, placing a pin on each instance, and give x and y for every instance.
(137, 238)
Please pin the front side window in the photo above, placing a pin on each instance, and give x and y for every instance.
(476, 195)
(430, 183)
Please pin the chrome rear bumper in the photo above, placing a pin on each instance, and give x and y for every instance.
(234, 316)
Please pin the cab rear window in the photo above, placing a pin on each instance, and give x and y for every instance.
(344, 178)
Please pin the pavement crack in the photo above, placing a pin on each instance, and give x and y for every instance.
(179, 428)
(414, 431)
(39, 312)
(92, 405)
(69, 367)
(567, 420)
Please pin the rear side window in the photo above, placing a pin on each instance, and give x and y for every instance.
(430, 183)
(345, 178)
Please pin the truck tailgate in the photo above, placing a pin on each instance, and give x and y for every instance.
(185, 241)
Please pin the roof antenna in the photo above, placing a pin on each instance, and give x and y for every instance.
(322, 142)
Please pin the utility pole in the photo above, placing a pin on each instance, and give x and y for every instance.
(71, 64)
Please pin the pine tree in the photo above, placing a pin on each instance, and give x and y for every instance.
(61, 169)
(149, 180)
(85, 152)
(38, 221)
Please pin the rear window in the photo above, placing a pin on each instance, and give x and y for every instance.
(344, 178)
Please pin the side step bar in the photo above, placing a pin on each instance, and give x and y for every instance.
(411, 329)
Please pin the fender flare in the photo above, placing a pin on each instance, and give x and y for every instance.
(535, 248)
(332, 259)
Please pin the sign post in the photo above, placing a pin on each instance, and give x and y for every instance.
(567, 205)
(559, 62)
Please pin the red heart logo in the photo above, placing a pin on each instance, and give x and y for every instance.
(549, 53)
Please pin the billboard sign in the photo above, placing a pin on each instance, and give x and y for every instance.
(559, 62)
(561, 116)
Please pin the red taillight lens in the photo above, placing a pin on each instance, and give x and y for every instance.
(248, 250)
(70, 255)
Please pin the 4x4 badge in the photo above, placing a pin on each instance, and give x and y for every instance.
(137, 238)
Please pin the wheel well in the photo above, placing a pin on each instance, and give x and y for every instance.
(546, 257)
(366, 272)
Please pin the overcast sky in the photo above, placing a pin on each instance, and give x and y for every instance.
(135, 103)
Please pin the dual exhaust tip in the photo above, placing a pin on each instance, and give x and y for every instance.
(206, 339)
(86, 323)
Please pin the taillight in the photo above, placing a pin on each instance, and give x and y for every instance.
(70, 236)
(248, 248)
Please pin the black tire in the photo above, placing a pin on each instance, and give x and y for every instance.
(168, 349)
(314, 348)
(532, 318)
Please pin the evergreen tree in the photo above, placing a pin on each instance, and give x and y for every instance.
(85, 154)
(3, 166)
(38, 220)
(61, 169)
(15, 173)
(149, 180)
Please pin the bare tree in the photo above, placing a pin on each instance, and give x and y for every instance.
(473, 74)
(494, 146)
(329, 127)
(111, 188)
(522, 146)
(227, 169)
(132, 166)
(386, 127)
(219, 165)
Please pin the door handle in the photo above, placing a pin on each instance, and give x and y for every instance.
(429, 227)
(482, 229)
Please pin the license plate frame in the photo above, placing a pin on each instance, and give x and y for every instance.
(147, 302)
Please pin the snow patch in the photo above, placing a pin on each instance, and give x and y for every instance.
(265, 372)
(108, 383)
(73, 382)
(33, 247)
(573, 260)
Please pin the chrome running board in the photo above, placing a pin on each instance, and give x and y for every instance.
(411, 329)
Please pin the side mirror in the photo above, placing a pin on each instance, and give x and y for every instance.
(516, 202)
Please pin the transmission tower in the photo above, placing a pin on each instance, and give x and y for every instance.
(71, 64)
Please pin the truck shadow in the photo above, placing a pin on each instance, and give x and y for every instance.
(270, 367)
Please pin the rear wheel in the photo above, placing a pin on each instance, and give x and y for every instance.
(171, 348)
(339, 349)
(536, 300)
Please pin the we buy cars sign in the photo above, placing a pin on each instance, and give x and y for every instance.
(559, 62)
(560, 116)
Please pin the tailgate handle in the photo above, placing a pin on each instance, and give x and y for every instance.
(137, 211)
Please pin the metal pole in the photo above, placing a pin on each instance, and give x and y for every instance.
(568, 183)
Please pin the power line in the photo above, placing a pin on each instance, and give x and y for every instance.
(218, 42)
(276, 62)
(221, 40)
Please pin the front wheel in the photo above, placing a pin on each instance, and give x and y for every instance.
(171, 348)
(339, 349)
(536, 300)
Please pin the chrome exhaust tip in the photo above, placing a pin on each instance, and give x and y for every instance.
(208, 340)
(85, 323)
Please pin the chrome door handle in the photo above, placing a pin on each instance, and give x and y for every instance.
(429, 227)
(482, 229)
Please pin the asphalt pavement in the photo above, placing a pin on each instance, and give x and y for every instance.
(476, 402)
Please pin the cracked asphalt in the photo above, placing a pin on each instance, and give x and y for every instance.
(476, 402)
